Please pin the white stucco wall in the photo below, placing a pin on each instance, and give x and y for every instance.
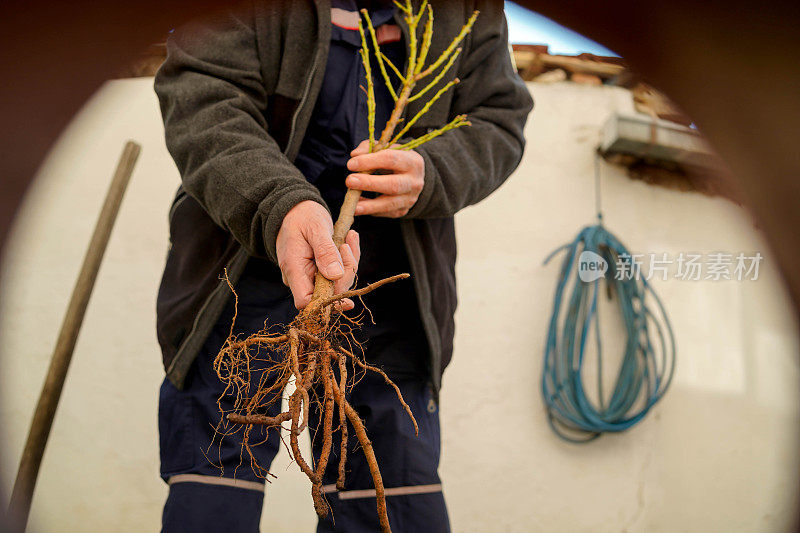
(719, 453)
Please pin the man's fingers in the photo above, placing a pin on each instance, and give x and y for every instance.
(361, 149)
(350, 263)
(394, 184)
(394, 160)
(393, 214)
(350, 266)
(351, 254)
(300, 280)
(344, 305)
(301, 301)
(354, 240)
(384, 204)
(326, 256)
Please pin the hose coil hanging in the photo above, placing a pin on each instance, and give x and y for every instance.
(648, 362)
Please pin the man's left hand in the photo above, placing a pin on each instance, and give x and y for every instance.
(398, 190)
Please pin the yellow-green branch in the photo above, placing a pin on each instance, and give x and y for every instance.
(460, 120)
(453, 45)
(378, 53)
(370, 85)
(438, 76)
(424, 110)
(427, 38)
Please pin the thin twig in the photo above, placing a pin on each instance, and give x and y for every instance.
(362, 291)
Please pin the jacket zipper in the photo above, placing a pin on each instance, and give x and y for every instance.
(300, 106)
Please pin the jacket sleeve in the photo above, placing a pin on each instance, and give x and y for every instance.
(465, 165)
(213, 103)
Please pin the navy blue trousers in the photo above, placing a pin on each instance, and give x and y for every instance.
(212, 487)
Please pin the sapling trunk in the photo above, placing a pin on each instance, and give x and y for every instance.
(315, 343)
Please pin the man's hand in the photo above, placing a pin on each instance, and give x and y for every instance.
(398, 190)
(305, 245)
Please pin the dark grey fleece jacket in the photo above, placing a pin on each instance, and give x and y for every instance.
(236, 94)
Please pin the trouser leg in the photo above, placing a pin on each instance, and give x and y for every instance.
(408, 464)
(202, 507)
(212, 484)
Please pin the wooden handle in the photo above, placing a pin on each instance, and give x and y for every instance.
(20, 505)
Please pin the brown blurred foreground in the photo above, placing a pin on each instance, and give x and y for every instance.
(730, 66)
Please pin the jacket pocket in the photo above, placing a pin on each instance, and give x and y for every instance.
(180, 196)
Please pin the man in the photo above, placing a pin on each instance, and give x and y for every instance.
(262, 107)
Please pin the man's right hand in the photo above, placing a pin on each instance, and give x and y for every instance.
(305, 245)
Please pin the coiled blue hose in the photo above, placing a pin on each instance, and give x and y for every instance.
(648, 363)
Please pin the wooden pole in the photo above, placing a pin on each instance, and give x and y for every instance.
(20, 504)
